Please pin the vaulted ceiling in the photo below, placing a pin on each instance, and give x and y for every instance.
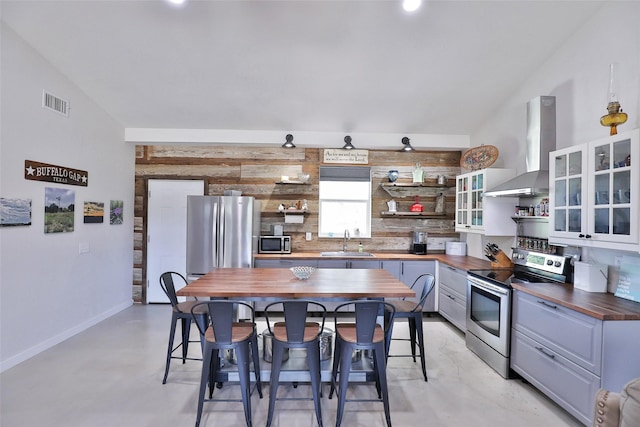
(325, 66)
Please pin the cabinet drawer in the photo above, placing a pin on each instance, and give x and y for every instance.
(453, 278)
(574, 335)
(452, 306)
(569, 385)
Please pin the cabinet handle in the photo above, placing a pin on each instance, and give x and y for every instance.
(588, 236)
(581, 235)
(450, 297)
(542, 350)
(555, 307)
(451, 268)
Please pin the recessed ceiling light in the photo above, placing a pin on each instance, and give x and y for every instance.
(411, 5)
(177, 1)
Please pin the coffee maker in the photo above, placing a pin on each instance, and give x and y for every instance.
(419, 243)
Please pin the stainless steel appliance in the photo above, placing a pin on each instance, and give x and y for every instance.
(222, 232)
(489, 302)
(419, 243)
(541, 139)
(274, 244)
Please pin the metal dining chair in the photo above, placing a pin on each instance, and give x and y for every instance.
(295, 332)
(357, 329)
(179, 311)
(412, 311)
(222, 333)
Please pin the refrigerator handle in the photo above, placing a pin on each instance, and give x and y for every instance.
(221, 235)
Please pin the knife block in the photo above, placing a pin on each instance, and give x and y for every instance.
(503, 261)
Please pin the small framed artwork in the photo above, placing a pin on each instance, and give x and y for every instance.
(59, 210)
(15, 212)
(116, 214)
(93, 212)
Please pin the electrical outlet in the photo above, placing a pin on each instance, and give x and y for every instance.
(308, 236)
(83, 248)
(618, 261)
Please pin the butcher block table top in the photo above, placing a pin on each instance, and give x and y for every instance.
(280, 283)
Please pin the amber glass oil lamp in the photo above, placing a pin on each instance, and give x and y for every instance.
(616, 116)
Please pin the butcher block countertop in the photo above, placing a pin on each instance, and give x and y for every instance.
(603, 306)
(462, 262)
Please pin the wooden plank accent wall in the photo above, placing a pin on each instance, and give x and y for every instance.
(255, 171)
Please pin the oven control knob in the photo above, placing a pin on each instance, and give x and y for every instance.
(549, 262)
(557, 264)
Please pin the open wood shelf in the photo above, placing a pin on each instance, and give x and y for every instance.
(414, 214)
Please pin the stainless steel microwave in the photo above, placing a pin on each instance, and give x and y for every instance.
(274, 245)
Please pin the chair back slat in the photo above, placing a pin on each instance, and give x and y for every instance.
(169, 287)
(295, 317)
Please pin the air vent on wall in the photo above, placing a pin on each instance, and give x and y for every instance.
(54, 103)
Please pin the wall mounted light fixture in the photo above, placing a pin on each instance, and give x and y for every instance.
(407, 145)
(348, 145)
(289, 143)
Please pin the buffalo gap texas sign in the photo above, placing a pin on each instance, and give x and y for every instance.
(37, 171)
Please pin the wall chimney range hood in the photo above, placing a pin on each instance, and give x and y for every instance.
(541, 140)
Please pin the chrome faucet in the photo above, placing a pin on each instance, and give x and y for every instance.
(344, 240)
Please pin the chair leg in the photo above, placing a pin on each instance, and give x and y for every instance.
(172, 331)
(256, 363)
(276, 365)
(334, 370)
(420, 333)
(381, 370)
(387, 338)
(186, 328)
(412, 336)
(214, 367)
(204, 378)
(242, 354)
(313, 360)
(345, 369)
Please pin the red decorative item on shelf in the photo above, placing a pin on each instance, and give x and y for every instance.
(416, 207)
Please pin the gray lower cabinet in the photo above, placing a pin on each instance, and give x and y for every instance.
(393, 267)
(452, 295)
(409, 272)
(568, 355)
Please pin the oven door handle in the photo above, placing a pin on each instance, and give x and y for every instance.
(489, 287)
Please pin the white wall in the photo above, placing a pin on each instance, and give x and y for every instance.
(577, 74)
(48, 291)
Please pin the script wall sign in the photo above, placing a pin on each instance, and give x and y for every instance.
(37, 171)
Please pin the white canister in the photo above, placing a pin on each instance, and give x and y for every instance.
(455, 248)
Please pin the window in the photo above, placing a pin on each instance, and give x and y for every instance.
(344, 201)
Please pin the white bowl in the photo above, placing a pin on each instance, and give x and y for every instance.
(302, 272)
(303, 177)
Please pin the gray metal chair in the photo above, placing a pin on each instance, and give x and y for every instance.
(222, 333)
(412, 311)
(295, 332)
(357, 329)
(179, 311)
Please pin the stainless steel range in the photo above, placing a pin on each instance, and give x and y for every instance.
(489, 302)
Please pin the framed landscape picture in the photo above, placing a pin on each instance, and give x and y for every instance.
(93, 212)
(59, 210)
(15, 212)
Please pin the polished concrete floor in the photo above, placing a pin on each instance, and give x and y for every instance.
(111, 375)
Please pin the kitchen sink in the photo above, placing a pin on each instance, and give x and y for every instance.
(347, 254)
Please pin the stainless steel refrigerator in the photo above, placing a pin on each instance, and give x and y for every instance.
(222, 232)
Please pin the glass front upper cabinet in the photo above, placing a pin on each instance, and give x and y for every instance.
(594, 191)
(611, 189)
(566, 215)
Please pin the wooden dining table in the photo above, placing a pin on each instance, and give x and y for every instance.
(325, 284)
(280, 283)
